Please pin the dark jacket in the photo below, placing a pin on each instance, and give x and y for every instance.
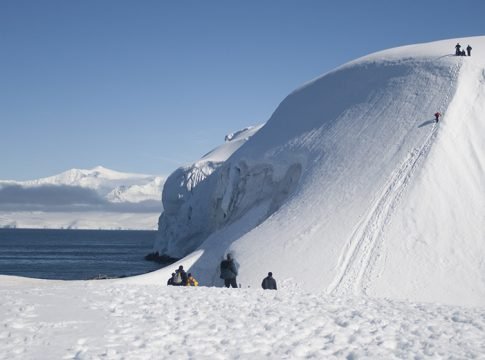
(228, 269)
(458, 49)
(183, 274)
(269, 283)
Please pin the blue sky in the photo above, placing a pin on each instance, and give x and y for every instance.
(146, 86)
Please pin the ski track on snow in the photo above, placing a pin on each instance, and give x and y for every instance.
(361, 253)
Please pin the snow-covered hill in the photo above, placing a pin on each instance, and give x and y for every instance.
(79, 198)
(350, 187)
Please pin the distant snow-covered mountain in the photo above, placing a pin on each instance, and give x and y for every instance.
(82, 198)
(114, 186)
(104, 181)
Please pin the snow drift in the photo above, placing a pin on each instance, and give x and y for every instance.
(350, 187)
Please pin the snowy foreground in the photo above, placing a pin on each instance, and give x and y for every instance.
(116, 320)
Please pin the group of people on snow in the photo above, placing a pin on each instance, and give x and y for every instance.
(181, 278)
(460, 52)
(228, 272)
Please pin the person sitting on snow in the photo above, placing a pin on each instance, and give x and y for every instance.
(180, 277)
(269, 283)
(170, 281)
(191, 280)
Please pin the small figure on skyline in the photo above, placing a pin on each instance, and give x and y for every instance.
(469, 50)
(229, 272)
(437, 116)
(269, 283)
(458, 49)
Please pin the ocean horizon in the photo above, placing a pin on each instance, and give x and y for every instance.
(68, 254)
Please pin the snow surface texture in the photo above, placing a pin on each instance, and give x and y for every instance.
(350, 187)
(98, 198)
(112, 320)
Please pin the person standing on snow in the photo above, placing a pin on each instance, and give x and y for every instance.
(469, 50)
(269, 283)
(437, 116)
(458, 49)
(229, 272)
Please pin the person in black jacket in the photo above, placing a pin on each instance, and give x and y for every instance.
(269, 283)
(170, 281)
(180, 277)
(469, 50)
(229, 272)
(458, 49)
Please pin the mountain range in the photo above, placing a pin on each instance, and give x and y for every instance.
(83, 198)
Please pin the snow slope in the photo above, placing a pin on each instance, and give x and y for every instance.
(97, 198)
(350, 188)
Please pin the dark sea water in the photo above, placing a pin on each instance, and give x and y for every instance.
(75, 254)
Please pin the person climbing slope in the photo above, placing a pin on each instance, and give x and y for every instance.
(437, 116)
